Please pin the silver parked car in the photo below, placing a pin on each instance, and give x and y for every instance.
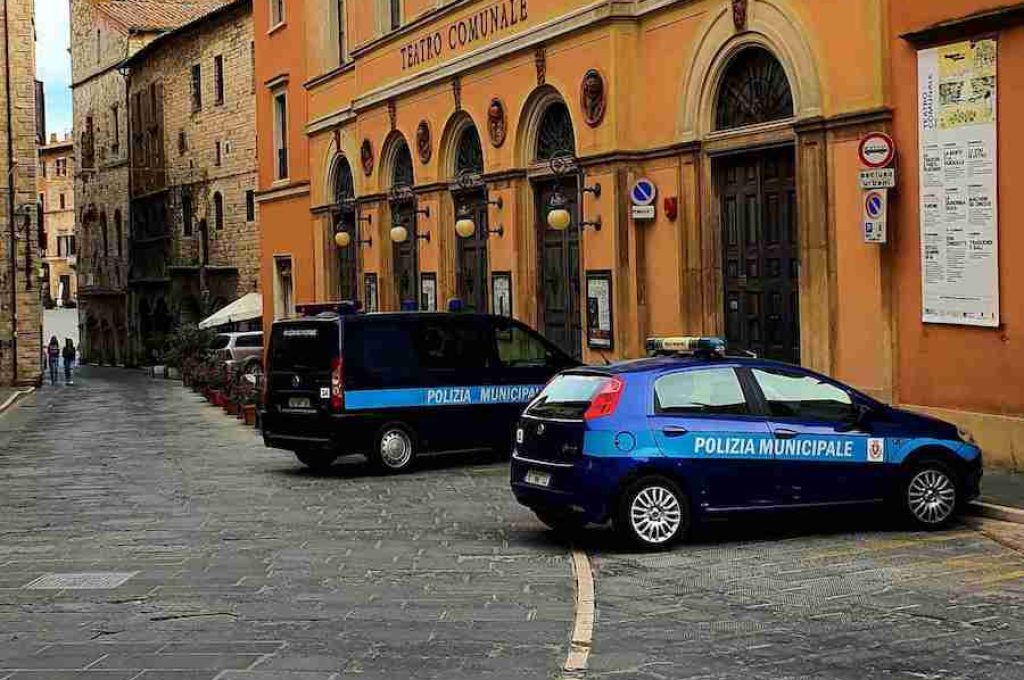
(238, 346)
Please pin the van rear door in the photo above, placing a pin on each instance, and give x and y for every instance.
(299, 366)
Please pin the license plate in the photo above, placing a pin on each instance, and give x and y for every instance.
(537, 478)
(299, 402)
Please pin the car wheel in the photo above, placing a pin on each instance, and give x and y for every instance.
(395, 450)
(653, 513)
(931, 495)
(321, 462)
(561, 522)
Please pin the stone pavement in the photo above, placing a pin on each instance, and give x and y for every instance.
(837, 597)
(243, 566)
(228, 561)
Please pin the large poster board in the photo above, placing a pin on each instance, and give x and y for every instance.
(959, 219)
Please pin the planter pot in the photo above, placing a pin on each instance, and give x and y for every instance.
(216, 397)
(249, 414)
(173, 373)
(230, 407)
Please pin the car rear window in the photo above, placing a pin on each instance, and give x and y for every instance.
(220, 341)
(567, 396)
(303, 346)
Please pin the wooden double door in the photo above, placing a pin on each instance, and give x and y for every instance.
(760, 253)
(471, 256)
(406, 257)
(559, 290)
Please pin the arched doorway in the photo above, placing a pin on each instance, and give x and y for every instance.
(470, 198)
(344, 220)
(558, 285)
(758, 206)
(403, 214)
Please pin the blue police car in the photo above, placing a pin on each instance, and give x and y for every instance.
(658, 443)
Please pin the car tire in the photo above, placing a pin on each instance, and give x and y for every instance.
(561, 522)
(930, 495)
(317, 461)
(653, 513)
(394, 449)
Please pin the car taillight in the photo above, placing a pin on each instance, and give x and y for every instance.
(607, 399)
(337, 393)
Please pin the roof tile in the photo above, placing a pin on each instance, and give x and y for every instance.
(157, 15)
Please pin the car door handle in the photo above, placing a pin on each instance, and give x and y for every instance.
(783, 433)
(673, 431)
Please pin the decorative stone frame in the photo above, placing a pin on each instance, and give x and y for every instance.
(530, 118)
(771, 26)
(448, 147)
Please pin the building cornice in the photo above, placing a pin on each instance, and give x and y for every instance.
(970, 25)
(279, 193)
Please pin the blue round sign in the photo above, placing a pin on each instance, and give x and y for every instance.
(644, 192)
(873, 205)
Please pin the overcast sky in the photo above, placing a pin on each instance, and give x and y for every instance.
(53, 62)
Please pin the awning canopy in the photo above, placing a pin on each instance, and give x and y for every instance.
(245, 308)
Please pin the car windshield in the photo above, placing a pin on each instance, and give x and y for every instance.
(306, 346)
(220, 341)
(567, 396)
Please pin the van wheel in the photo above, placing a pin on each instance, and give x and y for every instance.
(653, 513)
(930, 495)
(394, 451)
(320, 462)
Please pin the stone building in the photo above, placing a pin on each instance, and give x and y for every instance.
(20, 296)
(104, 33)
(195, 243)
(56, 182)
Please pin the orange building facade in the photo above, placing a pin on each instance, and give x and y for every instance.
(444, 141)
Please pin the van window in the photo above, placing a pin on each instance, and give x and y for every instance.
(519, 348)
(308, 346)
(379, 354)
(452, 350)
(220, 341)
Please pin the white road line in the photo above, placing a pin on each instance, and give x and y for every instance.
(583, 626)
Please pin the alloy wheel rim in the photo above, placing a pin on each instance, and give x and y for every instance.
(931, 496)
(395, 449)
(656, 514)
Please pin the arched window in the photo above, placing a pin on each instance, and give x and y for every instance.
(344, 187)
(754, 90)
(401, 175)
(106, 237)
(555, 133)
(218, 210)
(118, 232)
(469, 155)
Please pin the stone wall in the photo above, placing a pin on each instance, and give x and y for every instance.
(186, 161)
(20, 294)
(98, 45)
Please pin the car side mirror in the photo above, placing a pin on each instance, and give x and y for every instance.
(861, 414)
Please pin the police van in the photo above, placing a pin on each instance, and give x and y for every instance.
(689, 433)
(393, 386)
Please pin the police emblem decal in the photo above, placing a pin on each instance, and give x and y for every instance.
(876, 450)
(296, 380)
(540, 429)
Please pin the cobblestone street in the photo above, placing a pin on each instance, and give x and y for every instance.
(247, 567)
(227, 560)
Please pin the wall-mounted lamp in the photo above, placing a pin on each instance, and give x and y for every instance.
(563, 163)
(466, 227)
(400, 234)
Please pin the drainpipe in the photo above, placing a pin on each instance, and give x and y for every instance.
(10, 195)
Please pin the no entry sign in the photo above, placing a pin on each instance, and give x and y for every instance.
(877, 150)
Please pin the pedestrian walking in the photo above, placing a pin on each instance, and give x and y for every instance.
(69, 355)
(53, 358)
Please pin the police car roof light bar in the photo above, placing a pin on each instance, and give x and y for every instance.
(708, 348)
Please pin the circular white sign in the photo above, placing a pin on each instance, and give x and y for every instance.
(877, 150)
(644, 192)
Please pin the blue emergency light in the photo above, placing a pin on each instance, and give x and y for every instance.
(710, 348)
